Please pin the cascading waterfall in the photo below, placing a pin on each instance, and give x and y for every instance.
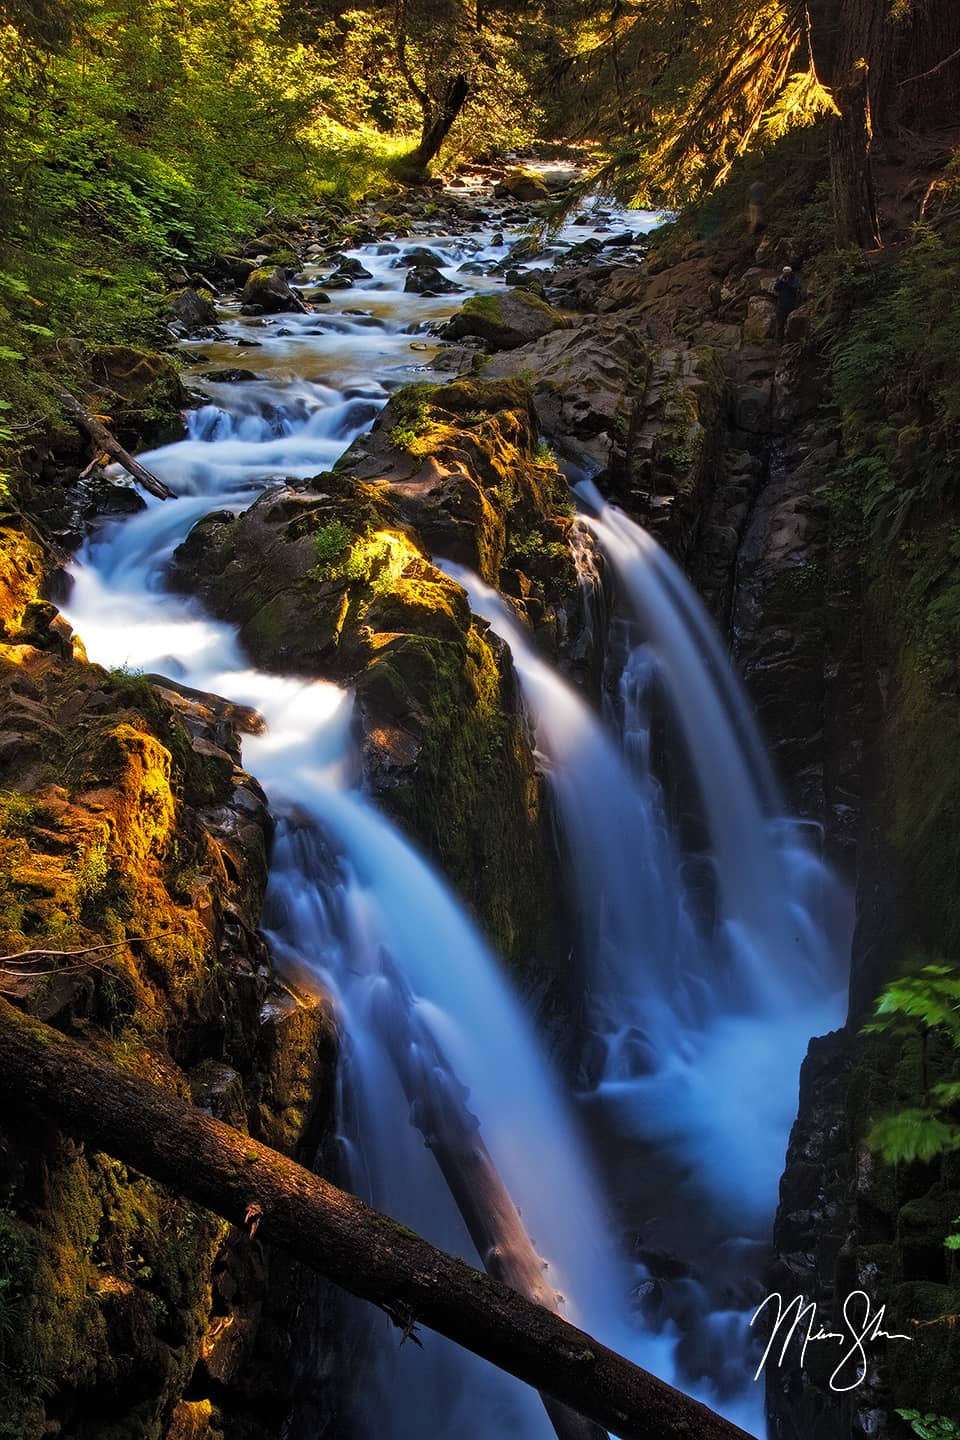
(698, 1022)
(349, 901)
(700, 1014)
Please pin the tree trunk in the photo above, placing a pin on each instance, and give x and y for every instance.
(855, 215)
(438, 121)
(438, 1108)
(850, 49)
(334, 1233)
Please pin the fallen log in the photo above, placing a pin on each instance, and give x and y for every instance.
(365, 1252)
(111, 446)
(438, 1108)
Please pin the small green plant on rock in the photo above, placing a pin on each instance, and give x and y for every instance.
(18, 813)
(331, 541)
(411, 409)
(533, 543)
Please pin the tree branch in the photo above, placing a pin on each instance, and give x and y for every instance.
(911, 80)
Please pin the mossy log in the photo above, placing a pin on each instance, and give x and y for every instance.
(356, 1247)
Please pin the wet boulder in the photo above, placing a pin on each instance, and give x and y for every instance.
(233, 268)
(347, 272)
(193, 310)
(522, 184)
(268, 292)
(427, 280)
(504, 322)
(587, 382)
(527, 279)
(583, 252)
(235, 376)
(420, 255)
(141, 391)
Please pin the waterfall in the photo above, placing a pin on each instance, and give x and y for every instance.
(350, 904)
(700, 1013)
(708, 968)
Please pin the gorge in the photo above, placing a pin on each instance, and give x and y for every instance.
(478, 719)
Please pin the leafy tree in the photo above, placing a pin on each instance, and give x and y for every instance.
(679, 89)
(450, 52)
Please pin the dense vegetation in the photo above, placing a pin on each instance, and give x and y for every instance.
(138, 139)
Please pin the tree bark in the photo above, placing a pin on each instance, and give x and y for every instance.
(112, 447)
(850, 52)
(363, 1251)
(851, 171)
(439, 120)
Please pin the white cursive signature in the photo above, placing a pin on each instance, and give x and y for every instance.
(859, 1332)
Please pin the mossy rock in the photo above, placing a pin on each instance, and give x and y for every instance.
(117, 829)
(446, 752)
(22, 568)
(504, 321)
(141, 390)
(267, 289)
(522, 184)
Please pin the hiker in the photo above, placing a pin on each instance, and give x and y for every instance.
(757, 207)
(787, 291)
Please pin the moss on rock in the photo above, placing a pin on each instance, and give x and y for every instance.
(504, 321)
(126, 823)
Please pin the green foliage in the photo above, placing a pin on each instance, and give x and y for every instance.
(374, 559)
(912, 1135)
(138, 151)
(377, 561)
(930, 1427)
(411, 410)
(896, 376)
(19, 813)
(331, 541)
(925, 1001)
(132, 687)
(929, 997)
(678, 93)
(524, 547)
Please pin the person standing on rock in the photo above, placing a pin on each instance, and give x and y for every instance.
(787, 290)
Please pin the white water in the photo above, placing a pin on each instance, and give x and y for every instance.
(702, 997)
(700, 1020)
(346, 890)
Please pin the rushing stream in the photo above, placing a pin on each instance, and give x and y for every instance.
(707, 972)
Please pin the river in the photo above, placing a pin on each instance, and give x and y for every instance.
(676, 1127)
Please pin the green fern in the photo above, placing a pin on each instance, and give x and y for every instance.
(912, 1135)
(930, 1427)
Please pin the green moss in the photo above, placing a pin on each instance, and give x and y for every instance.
(474, 800)
(410, 410)
(331, 540)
